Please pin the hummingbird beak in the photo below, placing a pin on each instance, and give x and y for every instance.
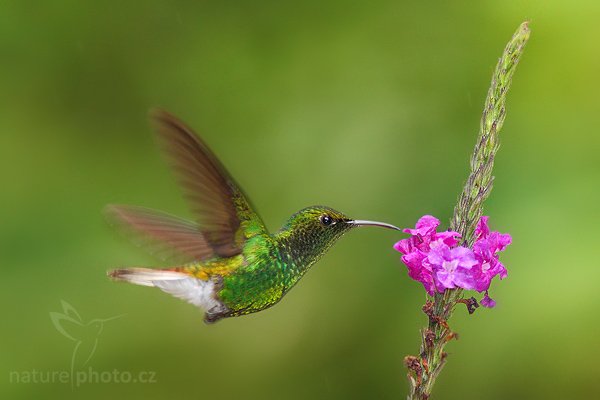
(360, 222)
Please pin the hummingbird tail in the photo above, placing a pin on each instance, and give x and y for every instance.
(198, 292)
(145, 276)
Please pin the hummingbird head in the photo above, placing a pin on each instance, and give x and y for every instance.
(319, 224)
(311, 231)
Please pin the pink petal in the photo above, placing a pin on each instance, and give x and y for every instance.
(465, 256)
(450, 238)
(487, 301)
(426, 225)
(482, 230)
(403, 246)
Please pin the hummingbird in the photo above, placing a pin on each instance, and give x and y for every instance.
(227, 263)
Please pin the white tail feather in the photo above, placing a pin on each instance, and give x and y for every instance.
(145, 276)
(183, 286)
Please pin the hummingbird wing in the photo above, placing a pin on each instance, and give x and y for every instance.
(224, 214)
(163, 235)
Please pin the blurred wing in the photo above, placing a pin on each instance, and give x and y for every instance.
(216, 200)
(166, 236)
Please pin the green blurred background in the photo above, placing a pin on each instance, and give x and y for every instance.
(369, 107)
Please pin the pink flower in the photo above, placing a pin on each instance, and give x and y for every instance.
(452, 268)
(487, 301)
(419, 269)
(416, 248)
(435, 259)
(424, 234)
(486, 248)
(426, 225)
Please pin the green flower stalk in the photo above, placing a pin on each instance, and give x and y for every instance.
(425, 368)
(469, 209)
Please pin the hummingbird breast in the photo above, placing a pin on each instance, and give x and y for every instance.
(274, 264)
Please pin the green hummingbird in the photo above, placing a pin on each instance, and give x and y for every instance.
(228, 263)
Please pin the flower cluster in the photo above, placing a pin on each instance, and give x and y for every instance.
(435, 259)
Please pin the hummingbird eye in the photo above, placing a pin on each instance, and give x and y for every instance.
(326, 220)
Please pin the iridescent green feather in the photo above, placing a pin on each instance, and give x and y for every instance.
(275, 263)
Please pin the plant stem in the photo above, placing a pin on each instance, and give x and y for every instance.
(425, 368)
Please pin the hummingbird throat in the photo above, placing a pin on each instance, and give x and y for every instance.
(300, 249)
